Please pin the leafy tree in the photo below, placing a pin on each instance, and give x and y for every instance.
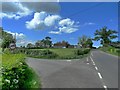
(6, 38)
(105, 35)
(47, 42)
(85, 42)
(82, 41)
(30, 45)
(89, 43)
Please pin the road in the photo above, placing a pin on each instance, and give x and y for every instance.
(99, 70)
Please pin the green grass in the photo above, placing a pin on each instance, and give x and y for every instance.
(64, 53)
(32, 79)
(10, 61)
(111, 50)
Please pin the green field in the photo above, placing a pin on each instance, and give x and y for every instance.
(62, 53)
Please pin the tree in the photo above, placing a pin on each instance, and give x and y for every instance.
(89, 43)
(6, 38)
(82, 41)
(85, 42)
(39, 44)
(105, 35)
(47, 42)
(30, 45)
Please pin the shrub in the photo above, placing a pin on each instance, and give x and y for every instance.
(79, 52)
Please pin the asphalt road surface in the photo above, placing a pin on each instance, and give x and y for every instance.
(98, 70)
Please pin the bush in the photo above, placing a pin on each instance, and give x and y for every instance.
(14, 71)
(86, 51)
(81, 51)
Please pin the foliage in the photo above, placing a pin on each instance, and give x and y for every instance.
(115, 44)
(81, 51)
(111, 50)
(63, 53)
(44, 43)
(85, 42)
(105, 35)
(15, 72)
(7, 38)
(37, 53)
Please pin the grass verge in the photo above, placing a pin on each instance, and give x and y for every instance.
(16, 73)
(111, 50)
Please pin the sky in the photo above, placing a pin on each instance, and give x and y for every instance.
(60, 21)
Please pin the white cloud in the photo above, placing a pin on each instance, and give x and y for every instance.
(18, 9)
(17, 35)
(66, 22)
(68, 29)
(20, 38)
(37, 22)
(89, 23)
(51, 20)
(14, 10)
(42, 21)
(55, 32)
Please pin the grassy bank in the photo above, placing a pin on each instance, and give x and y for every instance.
(16, 73)
(111, 50)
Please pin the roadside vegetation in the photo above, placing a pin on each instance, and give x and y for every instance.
(63, 53)
(16, 73)
(111, 50)
(105, 36)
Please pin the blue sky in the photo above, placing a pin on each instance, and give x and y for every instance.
(71, 20)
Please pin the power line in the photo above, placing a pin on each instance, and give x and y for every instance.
(84, 10)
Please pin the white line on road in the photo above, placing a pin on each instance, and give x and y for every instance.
(92, 61)
(105, 86)
(100, 75)
(96, 68)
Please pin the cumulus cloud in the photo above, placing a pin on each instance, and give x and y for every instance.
(17, 35)
(42, 20)
(37, 22)
(51, 20)
(21, 9)
(20, 38)
(14, 10)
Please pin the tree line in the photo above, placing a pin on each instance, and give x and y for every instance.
(104, 35)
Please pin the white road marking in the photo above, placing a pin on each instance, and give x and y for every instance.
(100, 75)
(104, 86)
(92, 61)
(96, 68)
